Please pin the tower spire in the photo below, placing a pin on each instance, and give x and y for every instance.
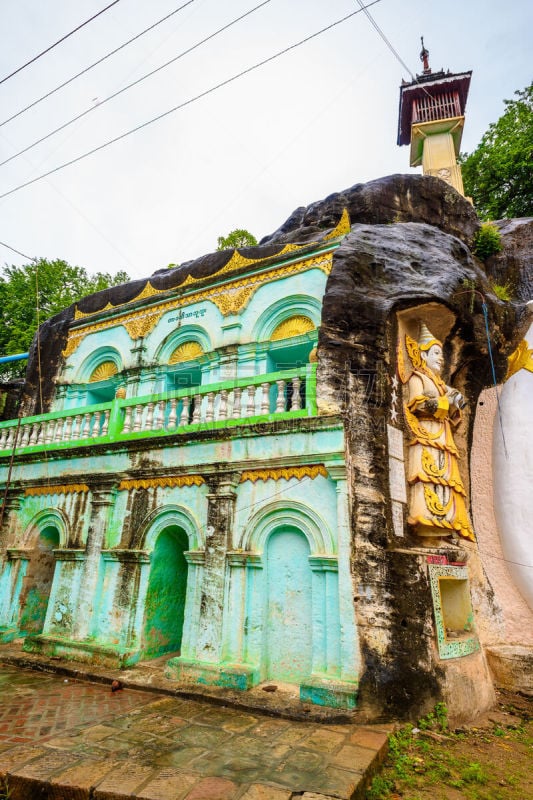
(424, 58)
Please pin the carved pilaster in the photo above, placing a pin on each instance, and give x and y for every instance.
(220, 514)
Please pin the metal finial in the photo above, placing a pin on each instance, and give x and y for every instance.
(424, 56)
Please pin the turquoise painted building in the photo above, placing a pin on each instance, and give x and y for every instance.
(185, 490)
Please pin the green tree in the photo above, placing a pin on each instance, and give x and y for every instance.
(236, 239)
(57, 285)
(499, 173)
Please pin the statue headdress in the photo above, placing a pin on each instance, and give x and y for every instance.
(426, 338)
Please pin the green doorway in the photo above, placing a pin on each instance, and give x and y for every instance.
(165, 598)
(38, 582)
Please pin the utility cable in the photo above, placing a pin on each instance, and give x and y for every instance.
(134, 83)
(51, 47)
(393, 49)
(18, 252)
(185, 103)
(95, 63)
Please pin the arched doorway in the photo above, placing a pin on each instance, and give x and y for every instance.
(288, 640)
(38, 582)
(165, 598)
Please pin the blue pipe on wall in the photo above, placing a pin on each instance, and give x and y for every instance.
(17, 357)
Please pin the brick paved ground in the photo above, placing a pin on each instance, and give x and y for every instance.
(88, 743)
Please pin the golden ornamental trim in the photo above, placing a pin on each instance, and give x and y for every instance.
(522, 358)
(308, 471)
(294, 326)
(65, 488)
(342, 228)
(170, 481)
(187, 351)
(103, 371)
(231, 298)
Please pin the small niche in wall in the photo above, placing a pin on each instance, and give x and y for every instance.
(452, 605)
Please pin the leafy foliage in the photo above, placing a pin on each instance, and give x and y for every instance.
(56, 283)
(487, 241)
(236, 239)
(499, 173)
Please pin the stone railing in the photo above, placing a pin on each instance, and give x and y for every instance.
(248, 401)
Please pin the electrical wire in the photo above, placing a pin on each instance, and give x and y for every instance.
(95, 63)
(393, 49)
(63, 38)
(134, 83)
(185, 103)
(18, 252)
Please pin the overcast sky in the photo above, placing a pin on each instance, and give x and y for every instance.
(313, 122)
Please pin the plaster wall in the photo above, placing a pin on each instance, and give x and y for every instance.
(513, 476)
(513, 622)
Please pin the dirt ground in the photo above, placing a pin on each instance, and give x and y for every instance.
(490, 760)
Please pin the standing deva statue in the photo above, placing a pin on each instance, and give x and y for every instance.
(437, 502)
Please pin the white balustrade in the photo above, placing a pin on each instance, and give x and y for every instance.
(241, 402)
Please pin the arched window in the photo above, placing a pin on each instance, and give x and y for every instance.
(186, 370)
(291, 342)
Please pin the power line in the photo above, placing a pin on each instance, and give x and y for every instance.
(130, 85)
(185, 103)
(387, 42)
(94, 64)
(14, 249)
(51, 47)
(392, 48)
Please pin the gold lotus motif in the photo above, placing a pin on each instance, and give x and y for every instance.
(103, 371)
(187, 351)
(295, 326)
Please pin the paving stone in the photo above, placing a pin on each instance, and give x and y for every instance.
(97, 732)
(315, 796)
(368, 737)
(260, 791)
(323, 740)
(354, 758)
(269, 727)
(44, 767)
(122, 781)
(79, 780)
(21, 788)
(169, 784)
(239, 723)
(202, 735)
(181, 757)
(306, 761)
(213, 789)
(338, 782)
(293, 735)
(18, 756)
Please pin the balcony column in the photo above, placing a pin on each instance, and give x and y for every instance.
(350, 659)
(101, 502)
(220, 515)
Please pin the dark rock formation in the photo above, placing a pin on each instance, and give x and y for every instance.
(377, 271)
(514, 264)
(396, 198)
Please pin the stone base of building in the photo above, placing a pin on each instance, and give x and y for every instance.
(324, 692)
(110, 656)
(231, 676)
(8, 634)
(512, 667)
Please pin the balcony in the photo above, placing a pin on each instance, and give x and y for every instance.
(244, 401)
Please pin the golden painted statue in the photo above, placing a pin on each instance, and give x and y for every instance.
(437, 503)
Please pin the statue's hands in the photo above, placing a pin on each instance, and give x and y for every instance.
(457, 400)
(431, 404)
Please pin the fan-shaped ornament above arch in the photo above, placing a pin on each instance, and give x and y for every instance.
(187, 351)
(294, 326)
(103, 371)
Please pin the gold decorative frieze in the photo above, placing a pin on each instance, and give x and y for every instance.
(294, 326)
(65, 488)
(187, 351)
(522, 358)
(103, 371)
(169, 481)
(342, 227)
(231, 298)
(308, 471)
